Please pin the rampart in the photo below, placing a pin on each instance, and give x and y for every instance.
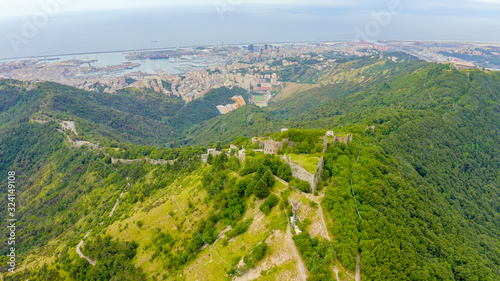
(302, 174)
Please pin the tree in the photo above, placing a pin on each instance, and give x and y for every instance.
(220, 162)
(261, 171)
(262, 190)
(301, 185)
(270, 202)
(284, 172)
(268, 178)
(210, 159)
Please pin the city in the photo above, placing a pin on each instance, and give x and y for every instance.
(252, 67)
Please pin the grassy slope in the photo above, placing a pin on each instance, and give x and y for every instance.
(309, 162)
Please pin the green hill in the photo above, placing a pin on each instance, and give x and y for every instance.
(426, 174)
(415, 195)
(126, 117)
(248, 121)
(343, 79)
(203, 109)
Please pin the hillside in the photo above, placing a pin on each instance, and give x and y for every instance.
(246, 122)
(414, 196)
(434, 133)
(345, 78)
(203, 109)
(125, 117)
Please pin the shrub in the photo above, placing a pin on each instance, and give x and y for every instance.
(262, 190)
(258, 253)
(301, 185)
(239, 229)
(313, 204)
(270, 202)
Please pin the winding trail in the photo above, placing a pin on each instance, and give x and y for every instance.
(358, 270)
(79, 251)
(324, 230)
(116, 205)
(301, 265)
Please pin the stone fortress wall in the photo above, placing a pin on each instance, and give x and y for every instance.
(302, 174)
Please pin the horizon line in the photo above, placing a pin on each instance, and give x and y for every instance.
(236, 44)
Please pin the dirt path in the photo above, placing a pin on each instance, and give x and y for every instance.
(358, 270)
(79, 251)
(322, 224)
(301, 265)
(336, 272)
(324, 231)
(282, 254)
(116, 204)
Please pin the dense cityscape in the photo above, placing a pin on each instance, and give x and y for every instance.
(251, 67)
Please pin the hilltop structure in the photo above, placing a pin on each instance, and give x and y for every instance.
(270, 146)
(459, 65)
(345, 140)
(214, 152)
(302, 174)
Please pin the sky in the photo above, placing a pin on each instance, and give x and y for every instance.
(18, 8)
(51, 27)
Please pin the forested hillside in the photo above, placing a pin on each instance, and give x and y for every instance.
(415, 195)
(126, 117)
(246, 122)
(203, 109)
(427, 176)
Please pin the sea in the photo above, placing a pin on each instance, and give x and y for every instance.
(124, 30)
(107, 34)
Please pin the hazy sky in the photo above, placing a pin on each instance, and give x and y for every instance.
(16, 8)
(45, 27)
